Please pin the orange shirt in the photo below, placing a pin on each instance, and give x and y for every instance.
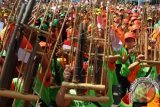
(156, 101)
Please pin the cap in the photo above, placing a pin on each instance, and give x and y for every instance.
(5, 14)
(137, 22)
(135, 27)
(62, 15)
(149, 18)
(133, 18)
(129, 35)
(135, 15)
(126, 21)
(116, 20)
(45, 27)
(55, 22)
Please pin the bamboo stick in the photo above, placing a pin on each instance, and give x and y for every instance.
(99, 39)
(73, 38)
(17, 95)
(150, 62)
(110, 57)
(86, 98)
(36, 29)
(83, 86)
(147, 63)
(158, 45)
(155, 53)
(146, 47)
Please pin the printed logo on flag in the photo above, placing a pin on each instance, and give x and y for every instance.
(143, 90)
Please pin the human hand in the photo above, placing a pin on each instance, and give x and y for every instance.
(140, 57)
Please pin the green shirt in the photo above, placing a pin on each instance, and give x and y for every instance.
(18, 84)
(77, 103)
(124, 69)
(59, 67)
(120, 52)
(153, 74)
(49, 94)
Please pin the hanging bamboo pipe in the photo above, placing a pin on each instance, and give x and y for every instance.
(146, 47)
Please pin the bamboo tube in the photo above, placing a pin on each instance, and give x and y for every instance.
(17, 95)
(155, 53)
(158, 45)
(86, 98)
(99, 39)
(83, 86)
(147, 63)
(150, 62)
(146, 47)
(107, 57)
(16, 9)
(73, 38)
(110, 57)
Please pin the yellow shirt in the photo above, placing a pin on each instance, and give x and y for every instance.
(2, 33)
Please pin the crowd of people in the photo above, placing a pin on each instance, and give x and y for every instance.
(124, 25)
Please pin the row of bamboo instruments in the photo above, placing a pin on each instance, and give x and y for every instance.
(97, 44)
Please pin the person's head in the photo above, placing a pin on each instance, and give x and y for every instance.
(125, 21)
(135, 28)
(130, 39)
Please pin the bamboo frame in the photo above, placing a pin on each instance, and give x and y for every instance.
(36, 29)
(90, 46)
(17, 95)
(150, 62)
(86, 98)
(54, 49)
(83, 86)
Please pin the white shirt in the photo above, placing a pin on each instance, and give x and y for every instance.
(1, 26)
(115, 41)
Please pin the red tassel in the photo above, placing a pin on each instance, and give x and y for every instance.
(111, 66)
